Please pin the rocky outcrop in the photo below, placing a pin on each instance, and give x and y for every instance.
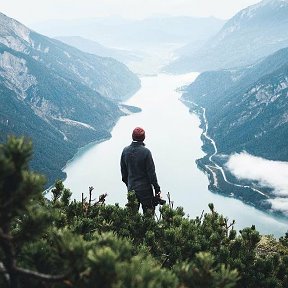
(56, 95)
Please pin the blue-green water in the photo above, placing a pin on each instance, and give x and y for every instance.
(173, 136)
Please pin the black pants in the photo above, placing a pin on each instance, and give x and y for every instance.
(148, 207)
(145, 197)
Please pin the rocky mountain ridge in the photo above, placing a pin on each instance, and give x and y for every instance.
(245, 113)
(246, 108)
(55, 94)
(89, 46)
(252, 34)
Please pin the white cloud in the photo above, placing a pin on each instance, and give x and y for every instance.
(269, 173)
(280, 204)
(273, 174)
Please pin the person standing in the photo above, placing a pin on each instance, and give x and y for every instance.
(138, 171)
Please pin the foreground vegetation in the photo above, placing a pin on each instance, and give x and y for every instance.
(64, 243)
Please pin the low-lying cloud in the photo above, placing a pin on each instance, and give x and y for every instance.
(267, 173)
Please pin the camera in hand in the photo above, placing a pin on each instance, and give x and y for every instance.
(158, 200)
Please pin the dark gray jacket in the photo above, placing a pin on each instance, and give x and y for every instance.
(137, 168)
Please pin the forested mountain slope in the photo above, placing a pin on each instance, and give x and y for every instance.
(59, 96)
(247, 107)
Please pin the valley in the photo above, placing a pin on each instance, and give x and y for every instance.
(65, 98)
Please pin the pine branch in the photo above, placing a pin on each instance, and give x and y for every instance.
(201, 215)
(8, 202)
(5, 236)
(12, 271)
(91, 188)
(10, 258)
(169, 199)
(4, 271)
(101, 199)
(166, 259)
(41, 276)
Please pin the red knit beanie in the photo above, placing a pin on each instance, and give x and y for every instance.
(138, 134)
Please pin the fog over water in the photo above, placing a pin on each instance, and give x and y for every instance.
(272, 174)
(173, 136)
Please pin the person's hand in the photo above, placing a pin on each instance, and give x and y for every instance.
(159, 198)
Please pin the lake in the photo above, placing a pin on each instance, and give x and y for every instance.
(173, 136)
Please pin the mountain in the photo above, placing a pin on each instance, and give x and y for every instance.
(55, 94)
(252, 34)
(135, 34)
(246, 110)
(247, 107)
(93, 47)
(151, 40)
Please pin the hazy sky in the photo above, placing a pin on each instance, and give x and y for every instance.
(31, 11)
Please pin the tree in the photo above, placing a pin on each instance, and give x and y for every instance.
(67, 243)
(19, 189)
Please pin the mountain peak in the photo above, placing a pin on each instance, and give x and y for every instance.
(57, 95)
(264, 2)
(266, 12)
(13, 34)
(267, 3)
(251, 34)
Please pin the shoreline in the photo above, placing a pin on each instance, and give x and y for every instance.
(218, 179)
(78, 153)
(83, 149)
(127, 110)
